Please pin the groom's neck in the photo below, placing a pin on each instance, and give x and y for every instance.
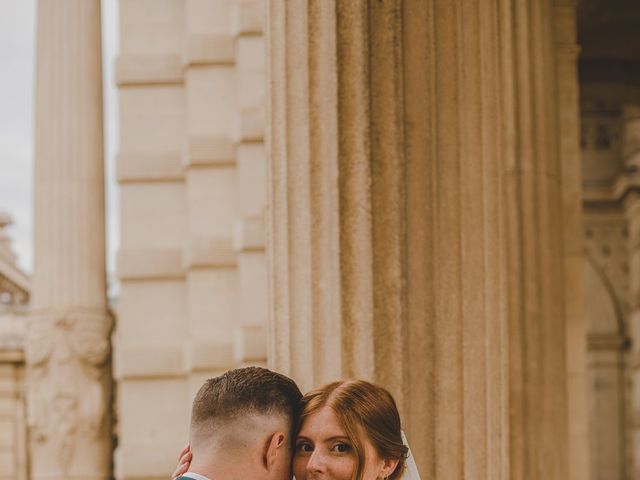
(225, 468)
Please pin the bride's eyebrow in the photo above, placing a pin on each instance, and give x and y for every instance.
(339, 437)
(300, 437)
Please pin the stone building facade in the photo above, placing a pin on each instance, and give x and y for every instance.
(610, 97)
(436, 195)
(14, 297)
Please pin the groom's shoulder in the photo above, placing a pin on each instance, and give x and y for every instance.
(192, 476)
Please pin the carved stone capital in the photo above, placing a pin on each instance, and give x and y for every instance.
(67, 355)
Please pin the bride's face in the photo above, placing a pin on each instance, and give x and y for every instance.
(324, 452)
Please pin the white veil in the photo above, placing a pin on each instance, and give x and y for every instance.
(411, 469)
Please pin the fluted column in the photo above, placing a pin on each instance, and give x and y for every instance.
(536, 337)
(68, 335)
(415, 223)
(573, 242)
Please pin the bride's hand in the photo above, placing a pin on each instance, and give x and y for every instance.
(184, 460)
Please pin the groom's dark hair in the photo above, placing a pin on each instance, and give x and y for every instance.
(250, 390)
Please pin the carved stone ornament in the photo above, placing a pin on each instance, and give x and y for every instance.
(67, 356)
(606, 245)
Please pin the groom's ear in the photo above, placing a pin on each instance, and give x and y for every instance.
(275, 447)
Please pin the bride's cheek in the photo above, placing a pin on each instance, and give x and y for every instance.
(342, 468)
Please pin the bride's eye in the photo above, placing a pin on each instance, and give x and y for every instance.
(304, 447)
(341, 448)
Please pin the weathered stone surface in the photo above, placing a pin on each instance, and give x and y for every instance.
(14, 453)
(611, 283)
(68, 336)
(415, 226)
(423, 224)
(191, 261)
(573, 240)
(15, 288)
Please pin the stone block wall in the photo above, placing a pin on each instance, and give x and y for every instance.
(192, 174)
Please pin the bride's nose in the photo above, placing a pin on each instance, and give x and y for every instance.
(317, 461)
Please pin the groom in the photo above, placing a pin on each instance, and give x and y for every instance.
(242, 426)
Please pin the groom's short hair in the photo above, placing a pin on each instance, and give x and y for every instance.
(245, 391)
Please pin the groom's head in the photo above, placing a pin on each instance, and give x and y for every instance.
(245, 418)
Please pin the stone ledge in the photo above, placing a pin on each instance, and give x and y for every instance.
(210, 252)
(148, 361)
(626, 183)
(10, 270)
(204, 49)
(250, 343)
(149, 263)
(211, 356)
(148, 167)
(133, 69)
(142, 462)
(209, 150)
(252, 124)
(11, 355)
(632, 157)
(249, 234)
(605, 342)
(248, 18)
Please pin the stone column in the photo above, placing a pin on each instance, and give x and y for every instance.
(415, 223)
(631, 154)
(68, 347)
(574, 248)
(13, 454)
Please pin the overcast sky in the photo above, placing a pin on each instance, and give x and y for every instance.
(17, 56)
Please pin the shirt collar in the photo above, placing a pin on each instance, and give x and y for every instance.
(195, 476)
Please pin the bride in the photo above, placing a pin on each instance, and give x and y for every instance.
(351, 430)
(348, 430)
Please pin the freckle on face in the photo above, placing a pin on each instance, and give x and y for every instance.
(322, 463)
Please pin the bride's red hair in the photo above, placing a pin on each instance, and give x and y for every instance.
(364, 410)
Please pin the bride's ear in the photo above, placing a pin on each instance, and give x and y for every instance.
(275, 447)
(389, 466)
